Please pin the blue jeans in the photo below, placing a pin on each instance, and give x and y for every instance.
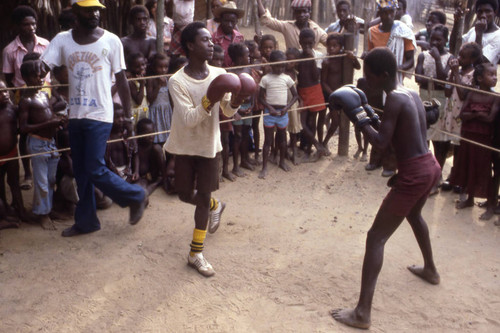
(88, 145)
(44, 173)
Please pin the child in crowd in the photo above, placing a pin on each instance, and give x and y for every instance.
(226, 127)
(160, 110)
(138, 41)
(435, 63)
(151, 160)
(294, 126)
(38, 121)
(268, 44)
(177, 64)
(8, 149)
(402, 15)
(239, 55)
(121, 157)
(273, 95)
(256, 72)
(424, 35)
(461, 72)
(310, 92)
(473, 171)
(136, 68)
(332, 76)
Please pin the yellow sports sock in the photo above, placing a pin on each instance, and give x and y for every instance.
(197, 243)
(213, 204)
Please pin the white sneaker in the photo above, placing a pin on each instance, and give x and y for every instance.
(201, 264)
(215, 216)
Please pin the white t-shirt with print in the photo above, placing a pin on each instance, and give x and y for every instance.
(91, 68)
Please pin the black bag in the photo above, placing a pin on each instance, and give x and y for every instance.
(431, 111)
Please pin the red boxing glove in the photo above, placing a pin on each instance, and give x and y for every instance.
(221, 85)
(248, 88)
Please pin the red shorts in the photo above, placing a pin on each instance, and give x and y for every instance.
(12, 153)
(415, 179)
(313, 95)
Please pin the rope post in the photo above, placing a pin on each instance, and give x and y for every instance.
(347, 76)
(160, 15)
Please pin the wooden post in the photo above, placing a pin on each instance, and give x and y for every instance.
(315, 10)
(160, 14)
(457, 43)
(347, 75)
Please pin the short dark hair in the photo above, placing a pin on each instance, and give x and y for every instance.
(31, 56)
(276, 55)
(29, 67)
(335, 36)
(267, 37)
(141, 125)
(236, 50)
(441, 16)
(21, 12)
(293, 50)
(403, 3)
(152, 62)
(476, 51)
(381, 60)
(479, 71)
(189, 33)
(251, 44)
(218, 49)
(133, 57)
(441, 28)
(492, 3)
(306, 33)
(343, 2)
(136, 10)
(177, 64)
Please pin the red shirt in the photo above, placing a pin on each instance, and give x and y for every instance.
(224, 41)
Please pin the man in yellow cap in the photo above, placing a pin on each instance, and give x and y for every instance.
(93, 56)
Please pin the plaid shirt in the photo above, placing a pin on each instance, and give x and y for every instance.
(224, 41)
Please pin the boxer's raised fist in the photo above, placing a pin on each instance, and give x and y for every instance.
(222, 84)
(248, 88)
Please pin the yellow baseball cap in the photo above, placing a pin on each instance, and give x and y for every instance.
(88, 3)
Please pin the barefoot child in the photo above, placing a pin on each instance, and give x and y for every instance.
(8, 149)
(294, 126)
(434, 63)
(404, 125)
(136, 68)
(332, 76)
(273, 95)
(40, 123)
(239, 55)
(256, 72)
(151, 160)
(473, 167)
(160, 111)
(121, 157)
(310, 92)
(461, 72)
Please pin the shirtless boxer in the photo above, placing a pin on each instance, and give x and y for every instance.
(404, 126)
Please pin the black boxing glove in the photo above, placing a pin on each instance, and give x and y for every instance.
(375, 120)
(347, 99)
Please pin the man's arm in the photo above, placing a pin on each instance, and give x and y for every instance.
(124, 92)
(382, 139)
(408, 61)
(260, 8)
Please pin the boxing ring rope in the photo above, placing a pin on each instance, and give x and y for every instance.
(253, 116)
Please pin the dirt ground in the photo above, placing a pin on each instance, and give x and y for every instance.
(289, 250)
